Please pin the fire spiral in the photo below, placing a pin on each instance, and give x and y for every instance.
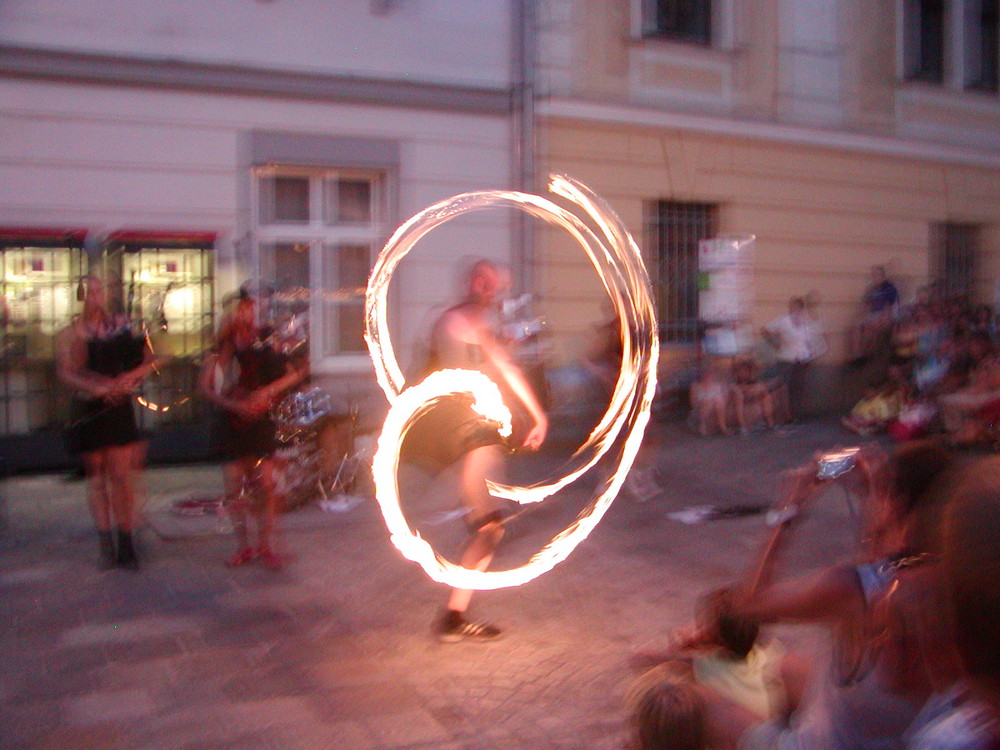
(618, 262)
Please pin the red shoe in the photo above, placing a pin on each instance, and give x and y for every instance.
(242, 557)
(268, 559)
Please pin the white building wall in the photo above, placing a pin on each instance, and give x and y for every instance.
(430, 40)
(108, 158)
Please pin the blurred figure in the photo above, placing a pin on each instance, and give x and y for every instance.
(465, 337)
(100, 358)
(666, 711)
(751, 393)
(971, 563)
(247, 432)
(710, 395)
(849, 701)
(793, 337)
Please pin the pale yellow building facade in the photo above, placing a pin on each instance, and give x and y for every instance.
(813, 126)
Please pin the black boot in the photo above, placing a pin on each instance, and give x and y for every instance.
(127, 557)
(107, 547)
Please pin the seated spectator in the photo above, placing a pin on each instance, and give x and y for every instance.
(852, 701)
(752, 393)
(666, 711)
(710, 395)
(879, 407)
(916, 417)
(962, 410)
(931, 371)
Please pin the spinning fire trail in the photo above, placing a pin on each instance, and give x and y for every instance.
(618, 263)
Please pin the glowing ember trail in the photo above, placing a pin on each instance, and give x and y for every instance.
(618, 263)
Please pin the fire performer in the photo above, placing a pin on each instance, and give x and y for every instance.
(465, 337)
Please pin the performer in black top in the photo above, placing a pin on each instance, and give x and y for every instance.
(103, 361)
(247, 431)
(464, 337)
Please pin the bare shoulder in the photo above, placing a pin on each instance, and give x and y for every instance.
(464, 323)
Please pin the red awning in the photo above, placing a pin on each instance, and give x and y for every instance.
(42, 237)
(140, 238)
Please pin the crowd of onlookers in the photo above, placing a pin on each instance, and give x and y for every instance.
(930, 367)
(937, 370)
(912, 659)
(912, 618)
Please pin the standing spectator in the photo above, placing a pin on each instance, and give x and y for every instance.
(881, 297)
(791, 336)
(103, 362)
(881, 303)
(819, 340)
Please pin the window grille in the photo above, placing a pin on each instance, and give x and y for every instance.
(953, 254)
(674, 230)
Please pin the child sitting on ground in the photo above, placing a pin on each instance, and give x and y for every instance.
(721, 652)
(710, 395)
(879, 406)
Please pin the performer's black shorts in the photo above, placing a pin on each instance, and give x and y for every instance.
(446, 432)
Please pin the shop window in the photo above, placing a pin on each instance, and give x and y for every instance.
(167, 282)
(674, 230)
(39, 273)
(683, 20)
(318, 264)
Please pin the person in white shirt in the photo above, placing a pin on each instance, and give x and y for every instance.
(793, 338)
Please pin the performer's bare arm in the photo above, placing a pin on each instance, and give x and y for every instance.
(473, 330)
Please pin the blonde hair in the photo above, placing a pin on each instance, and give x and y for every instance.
(665, 712)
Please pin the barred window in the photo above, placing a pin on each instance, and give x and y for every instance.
(953, 255)
(674, 230)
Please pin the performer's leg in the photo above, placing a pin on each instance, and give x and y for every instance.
(119, 469)
(266, 513)
(100, 505)
(478, 465)
(233, 474)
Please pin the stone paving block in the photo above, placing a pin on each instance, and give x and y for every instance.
(120, 705)
(25, 721)
(340, 642)
(97, 737)
(405, 728)
(127, 630)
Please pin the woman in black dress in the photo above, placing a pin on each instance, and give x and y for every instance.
(100, 358)
(246, 430)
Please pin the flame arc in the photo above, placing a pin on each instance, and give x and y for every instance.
(618, 263)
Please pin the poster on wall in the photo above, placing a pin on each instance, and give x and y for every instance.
(725, 299)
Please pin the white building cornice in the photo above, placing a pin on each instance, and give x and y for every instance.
(33, 63)
(617, 114)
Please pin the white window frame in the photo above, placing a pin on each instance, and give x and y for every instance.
(319, 235)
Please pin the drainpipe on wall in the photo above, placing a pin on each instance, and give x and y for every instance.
(523, 137)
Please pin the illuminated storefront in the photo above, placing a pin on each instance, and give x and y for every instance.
(167, 290)
(39, 273)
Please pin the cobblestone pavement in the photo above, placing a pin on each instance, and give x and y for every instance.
(335, 651)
